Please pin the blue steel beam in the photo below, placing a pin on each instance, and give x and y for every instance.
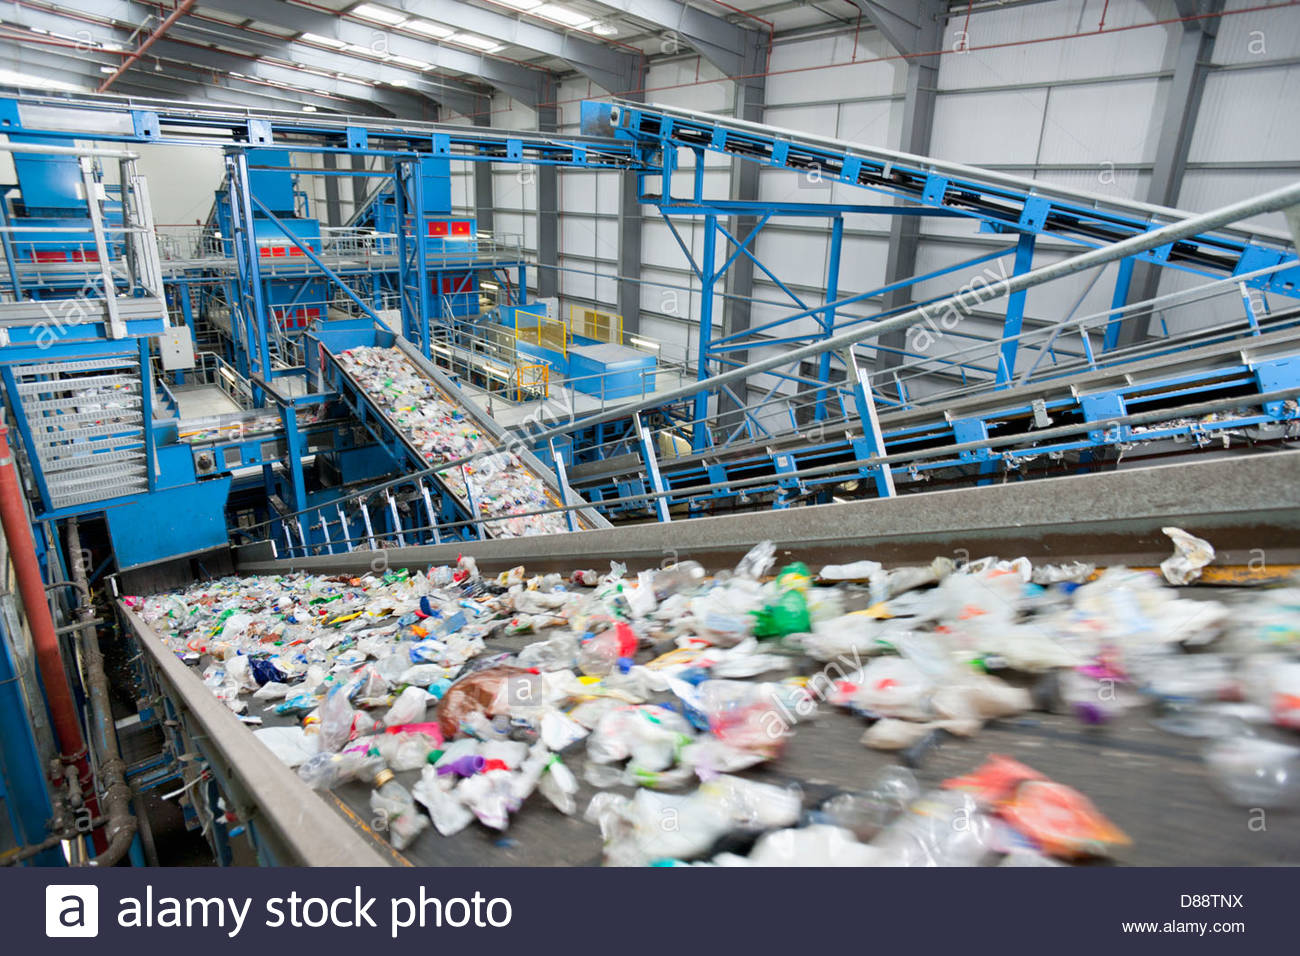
(140, 120)
(1000, 202)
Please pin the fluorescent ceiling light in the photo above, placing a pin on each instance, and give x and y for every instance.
(379, 14)
(412, 62)
(107, 69)
(10, 78)
(309, 108)
(477, 42)
(110, 45)
(323, 41)
(436, 30)
(521, 4)
(604, 29)
(570, 18)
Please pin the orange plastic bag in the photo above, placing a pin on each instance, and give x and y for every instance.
(1060, 819)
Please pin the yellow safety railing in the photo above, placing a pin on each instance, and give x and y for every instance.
(530, 381)
(595, 324)
(542, 331)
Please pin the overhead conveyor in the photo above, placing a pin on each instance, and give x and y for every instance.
(1183, 400)
(1000, 202)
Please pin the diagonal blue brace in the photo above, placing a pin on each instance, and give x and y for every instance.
(563, 479)
(1015, 312)
(646, 444)
(866, 406)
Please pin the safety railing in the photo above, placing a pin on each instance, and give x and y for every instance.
(530, 382)
(589, 323)
(542, 331)
(1075, 345)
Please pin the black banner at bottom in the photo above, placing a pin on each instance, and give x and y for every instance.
(591, 910)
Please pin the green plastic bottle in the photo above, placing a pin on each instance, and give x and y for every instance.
(788, 615)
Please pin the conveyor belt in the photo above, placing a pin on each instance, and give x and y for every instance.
(1004, 201)
(394, 438)
(1153, 785)
(1235, 368)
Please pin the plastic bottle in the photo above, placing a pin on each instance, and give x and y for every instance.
(682, 576)
(600, 655)
(325, 771)
(393, 803)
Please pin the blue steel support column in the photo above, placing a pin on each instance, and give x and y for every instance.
(1115, 321)
(293, 456)
(708, 276)
(251, 303)
(1015, 311)
(828, 317)
(412, 259)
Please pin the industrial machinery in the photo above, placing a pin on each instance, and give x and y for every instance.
(181, 415)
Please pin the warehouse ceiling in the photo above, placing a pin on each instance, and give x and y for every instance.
(407, 58)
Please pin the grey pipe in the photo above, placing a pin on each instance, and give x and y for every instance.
(121, 824)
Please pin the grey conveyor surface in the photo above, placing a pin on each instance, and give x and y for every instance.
(1153, 785)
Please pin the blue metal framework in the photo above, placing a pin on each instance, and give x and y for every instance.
(996, 203)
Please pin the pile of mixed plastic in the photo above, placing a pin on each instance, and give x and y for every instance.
(674, 683)
(500, 484)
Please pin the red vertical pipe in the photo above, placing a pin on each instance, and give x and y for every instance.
(22, 552)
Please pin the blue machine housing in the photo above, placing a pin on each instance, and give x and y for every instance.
(49, 196)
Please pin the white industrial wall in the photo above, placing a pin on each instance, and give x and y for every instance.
(670, 292)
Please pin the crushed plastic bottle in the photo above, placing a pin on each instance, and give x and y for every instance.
(393, 804)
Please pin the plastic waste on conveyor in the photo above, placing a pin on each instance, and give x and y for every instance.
(500, 484)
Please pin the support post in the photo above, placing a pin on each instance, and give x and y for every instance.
(828, 316)
(1015, 312)
(645, 442)
(864, 401)
(700, 433)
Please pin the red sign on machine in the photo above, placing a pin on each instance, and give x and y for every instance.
(457, 284)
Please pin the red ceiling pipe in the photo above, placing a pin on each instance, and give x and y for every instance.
(163, 27)
(22, 552)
